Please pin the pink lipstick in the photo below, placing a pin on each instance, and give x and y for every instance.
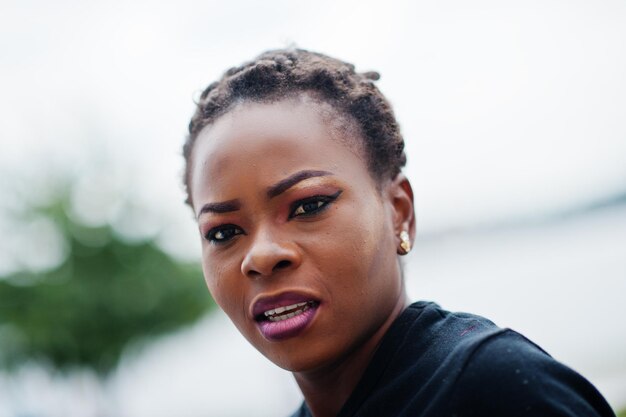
(285, 315)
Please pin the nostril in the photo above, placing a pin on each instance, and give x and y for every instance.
(282, 264)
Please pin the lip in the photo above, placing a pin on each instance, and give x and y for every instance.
(262, 303)
(290, 327)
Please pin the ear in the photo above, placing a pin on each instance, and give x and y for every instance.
(400, 195)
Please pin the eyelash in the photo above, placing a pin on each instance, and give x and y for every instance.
(230, 229)
(322, 202)
(297, 210)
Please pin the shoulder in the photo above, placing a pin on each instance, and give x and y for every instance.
(508, 373)
(467, 365)
(428, 317)
(433, 362)
(435, 331)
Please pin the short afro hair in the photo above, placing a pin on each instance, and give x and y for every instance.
(284, 73)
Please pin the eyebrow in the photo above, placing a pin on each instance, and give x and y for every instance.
(283, 185)
(272, 191)
(221, 207)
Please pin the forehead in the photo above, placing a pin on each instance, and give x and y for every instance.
(273, 140)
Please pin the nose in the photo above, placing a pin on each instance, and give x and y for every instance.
(269, 254)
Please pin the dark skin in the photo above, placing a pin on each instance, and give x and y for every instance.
(286, 205)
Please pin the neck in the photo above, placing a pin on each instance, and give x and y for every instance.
(327, 389)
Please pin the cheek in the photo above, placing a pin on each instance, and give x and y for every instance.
(368, 232)
(373, 255)
(358, 248)
(223, 283)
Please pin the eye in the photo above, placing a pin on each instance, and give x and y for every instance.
(312, 205)
(223, 233)
(308, 207)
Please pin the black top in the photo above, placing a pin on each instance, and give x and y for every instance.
(435, 363)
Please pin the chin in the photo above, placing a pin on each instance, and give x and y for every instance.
(305, 355)
(291, 358)
(299, 364)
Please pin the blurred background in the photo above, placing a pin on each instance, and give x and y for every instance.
(514, 118)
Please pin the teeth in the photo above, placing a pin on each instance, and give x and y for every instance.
(276, 314)
(288, 315)
(281, 310)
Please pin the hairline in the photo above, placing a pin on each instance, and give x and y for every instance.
(344, 127)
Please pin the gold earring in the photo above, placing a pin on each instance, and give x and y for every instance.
(405, 243)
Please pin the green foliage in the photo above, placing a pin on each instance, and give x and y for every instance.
(621, 413)
(106, 293)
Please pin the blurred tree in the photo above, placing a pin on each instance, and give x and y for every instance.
(106, 293)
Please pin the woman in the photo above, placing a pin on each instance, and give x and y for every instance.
(294, 173)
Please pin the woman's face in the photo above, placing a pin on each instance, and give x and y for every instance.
(299, 245)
